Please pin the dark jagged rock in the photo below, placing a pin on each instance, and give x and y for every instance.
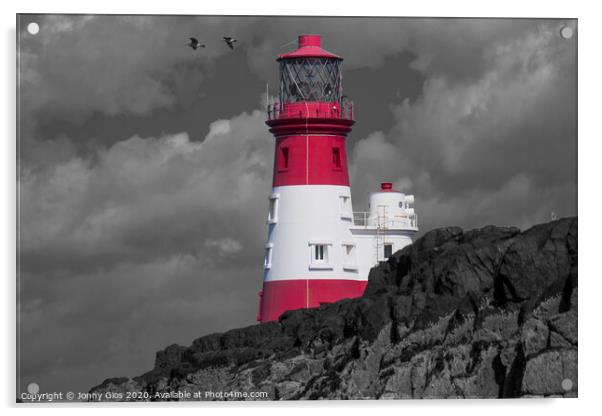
(484, 313)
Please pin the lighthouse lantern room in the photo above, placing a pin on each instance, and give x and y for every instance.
(318, 250)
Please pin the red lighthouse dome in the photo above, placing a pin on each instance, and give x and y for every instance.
(310, 46)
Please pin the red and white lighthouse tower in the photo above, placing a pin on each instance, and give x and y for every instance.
(311, 255)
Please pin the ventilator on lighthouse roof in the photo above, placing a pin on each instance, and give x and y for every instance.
(310, 46)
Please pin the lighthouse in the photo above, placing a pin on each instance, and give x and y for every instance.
(318, 249)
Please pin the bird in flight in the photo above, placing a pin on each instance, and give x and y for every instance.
(230, 41)
(195, 44)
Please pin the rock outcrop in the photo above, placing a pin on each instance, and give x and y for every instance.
(487, 313)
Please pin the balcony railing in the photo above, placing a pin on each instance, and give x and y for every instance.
(369, 220)
(311, 109)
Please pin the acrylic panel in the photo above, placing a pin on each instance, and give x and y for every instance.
(292, 208)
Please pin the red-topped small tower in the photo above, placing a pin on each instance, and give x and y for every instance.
(315, 253)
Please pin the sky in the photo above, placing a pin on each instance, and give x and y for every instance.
(144, 166)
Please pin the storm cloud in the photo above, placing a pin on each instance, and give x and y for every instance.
(151, 235)
(499, 147)
(145, 167)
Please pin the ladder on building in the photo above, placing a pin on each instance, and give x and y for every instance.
(381, 231)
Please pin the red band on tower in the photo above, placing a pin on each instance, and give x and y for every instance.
(310, 160)
(285, 295)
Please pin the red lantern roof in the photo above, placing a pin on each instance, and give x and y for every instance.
(309, 47)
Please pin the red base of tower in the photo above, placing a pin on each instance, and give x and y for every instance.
(284, 295)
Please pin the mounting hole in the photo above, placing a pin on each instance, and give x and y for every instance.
(567, 384)
(33, 388)
(33, 28)
(566, 32)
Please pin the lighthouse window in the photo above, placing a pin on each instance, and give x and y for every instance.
(336, 157)
(294, 93)
(319, 255)
(310, 79)
(273, 209)
(267, 261)
(349, 256)
(388, 251)
(284, 158)
(345, 202)
(319, 252)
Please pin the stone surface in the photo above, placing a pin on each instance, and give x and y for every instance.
(479, 314)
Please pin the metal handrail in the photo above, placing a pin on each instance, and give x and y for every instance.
(366, 220)
(276, 111)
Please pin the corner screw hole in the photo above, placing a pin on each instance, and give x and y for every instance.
(33, 28)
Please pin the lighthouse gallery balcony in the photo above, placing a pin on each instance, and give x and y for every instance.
(311, 109)
(368, 220)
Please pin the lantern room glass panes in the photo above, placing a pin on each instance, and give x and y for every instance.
(388, 248)
(310, 79)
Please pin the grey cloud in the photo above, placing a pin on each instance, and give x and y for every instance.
(133, 64)
(457, 48)
(462, 142)
(97, 325)
(111, 64)
(143, 245)
(144, 198)
(94, 76)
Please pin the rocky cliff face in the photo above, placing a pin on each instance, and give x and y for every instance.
(485, 313)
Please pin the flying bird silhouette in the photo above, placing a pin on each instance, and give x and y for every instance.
(195, 44)
(230, 41)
